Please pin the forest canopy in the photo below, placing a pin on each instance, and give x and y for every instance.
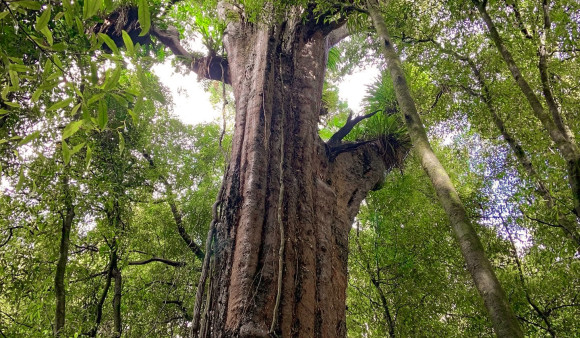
(290, 214)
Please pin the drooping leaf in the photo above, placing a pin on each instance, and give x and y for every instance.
(109, 42)
(29, 138)
(43, 19)
(71, 129)
(112, 79)
(121, 142)
(91, 7)
(102, 116)
(144, 17)
(60, 104)
(128, 43)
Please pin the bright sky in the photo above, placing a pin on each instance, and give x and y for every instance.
(192, 104)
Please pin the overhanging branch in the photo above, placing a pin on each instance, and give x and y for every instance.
(211, 67)
(125, 18)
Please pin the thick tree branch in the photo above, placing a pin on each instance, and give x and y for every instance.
(337, 35)
(125, 18)
(158, 259)
(350, 123)
(211, 67)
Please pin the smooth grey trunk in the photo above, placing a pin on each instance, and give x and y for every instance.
(59, 287)
(554, 123)
(502, 317)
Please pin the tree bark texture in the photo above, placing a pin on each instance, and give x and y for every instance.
(277, 72)
(504, 321)
(59, 287)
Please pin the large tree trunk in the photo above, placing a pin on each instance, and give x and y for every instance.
(502, 316)
(287, 199)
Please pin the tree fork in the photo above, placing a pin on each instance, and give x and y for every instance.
(504, 321)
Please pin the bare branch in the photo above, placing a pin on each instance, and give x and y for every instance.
(158, 259)
(350, 123)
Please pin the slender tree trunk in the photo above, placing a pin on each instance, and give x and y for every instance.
(281, 237)
(500, 312)
(554, 123)
(117, 302)
(101, 303)
(59, 287)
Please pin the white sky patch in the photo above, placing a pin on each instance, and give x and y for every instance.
(353, 87)
(191, 101)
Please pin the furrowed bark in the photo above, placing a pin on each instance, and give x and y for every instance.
(277, 75)
(504, 321)
(555, 126)
(59, 288)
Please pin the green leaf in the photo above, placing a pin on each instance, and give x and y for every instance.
(60, 104)
(144, 17)
(121, 142)
(14, 79)
(36, 94)
(65, 152)
(34, 5)
(43, 19)
(56, 60)
(71, 129)
(20, 180)
(107, 40)
(77, 148)
(75, 109)
(102, 117)
(18, 68)
(91, 7)
(95, 98)
(29, 138)
(128, 43)
(3, 14)
(12, 104)
(112, 79)
(48, 35)
(89, 156)
(94, 73)
(133, 116)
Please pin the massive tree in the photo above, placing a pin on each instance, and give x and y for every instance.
(288, 198)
